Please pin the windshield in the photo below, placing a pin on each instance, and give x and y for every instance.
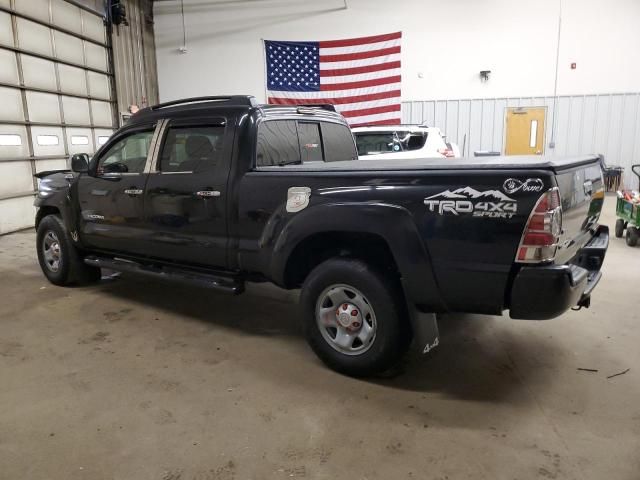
(372, 143)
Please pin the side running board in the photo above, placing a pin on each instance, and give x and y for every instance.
(230, 285)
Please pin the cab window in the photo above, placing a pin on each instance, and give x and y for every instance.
(338, 143)
(277, 143)
(310, 142)
(288, 142)
(127, 155)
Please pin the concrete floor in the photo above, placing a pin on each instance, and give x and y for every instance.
(132, 379)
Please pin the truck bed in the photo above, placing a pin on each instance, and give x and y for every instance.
(524, 162)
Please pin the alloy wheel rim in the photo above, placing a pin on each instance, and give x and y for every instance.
(346, 319)
(51, 251)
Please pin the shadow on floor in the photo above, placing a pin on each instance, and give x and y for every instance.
(477, 359)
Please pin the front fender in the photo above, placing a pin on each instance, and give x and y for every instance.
(55, 194)
(394, 224)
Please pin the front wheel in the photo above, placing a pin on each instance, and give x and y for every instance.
(354, 318)
(632, 236)
(59, 259)
(620, 226)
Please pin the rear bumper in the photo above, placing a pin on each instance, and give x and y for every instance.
(544, 292)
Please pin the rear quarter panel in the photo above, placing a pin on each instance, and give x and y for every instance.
(465, 258)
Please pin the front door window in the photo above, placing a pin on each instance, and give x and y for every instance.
(128, 155)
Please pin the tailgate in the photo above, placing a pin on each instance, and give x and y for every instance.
(582, 194)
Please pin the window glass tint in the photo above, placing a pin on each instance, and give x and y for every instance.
(412, 140)
(372, 143)
(310, 142)
(277, 143)
(338, 143)
(191, 149)
(127, 155)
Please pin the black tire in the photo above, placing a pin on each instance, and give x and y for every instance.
(620, 226)
(632, 236)
(384, 299)
(70, 267)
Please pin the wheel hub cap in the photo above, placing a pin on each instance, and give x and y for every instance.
(51, 251)
(349, 316)
(346, 319)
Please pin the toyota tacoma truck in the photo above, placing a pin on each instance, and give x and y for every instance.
(217, 191)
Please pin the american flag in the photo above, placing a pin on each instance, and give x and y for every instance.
(360, 76)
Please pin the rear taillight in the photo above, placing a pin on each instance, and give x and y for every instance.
(447, 152)
(542, 232)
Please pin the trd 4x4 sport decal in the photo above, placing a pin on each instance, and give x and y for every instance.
(469, 201)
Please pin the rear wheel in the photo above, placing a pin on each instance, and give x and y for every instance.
(632, 236)
(619, 230)
(354, 317)
(59, 259)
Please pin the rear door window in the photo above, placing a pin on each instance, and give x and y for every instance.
(192, 148)
(338, 143)
(277, 143)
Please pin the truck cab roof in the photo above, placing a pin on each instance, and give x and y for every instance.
(215, 105)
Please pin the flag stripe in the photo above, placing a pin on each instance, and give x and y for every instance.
(384, 102)
(335, 100)
(337, 93)
(360, 77)
(364, 105)
(370, 111)
(362, 62)
(389, 116)
(359, 55)
(361, 84)
(360, 41)
(364, 69)
(359, 48)
(391, 121)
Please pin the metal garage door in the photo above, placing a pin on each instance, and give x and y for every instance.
(56, 95)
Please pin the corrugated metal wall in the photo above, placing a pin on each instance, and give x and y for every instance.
(606, 123)
(134, 53)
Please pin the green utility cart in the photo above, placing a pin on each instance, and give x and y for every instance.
(628, 214)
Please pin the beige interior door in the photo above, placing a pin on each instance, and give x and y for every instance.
(525, 131)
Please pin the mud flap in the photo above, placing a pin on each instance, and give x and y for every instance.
(425, 329)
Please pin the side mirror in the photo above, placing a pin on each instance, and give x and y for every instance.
(80, 162)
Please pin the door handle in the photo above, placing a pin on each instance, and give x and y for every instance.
(133, 191)
(208, 193)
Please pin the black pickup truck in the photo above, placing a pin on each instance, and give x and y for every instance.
(217, 191)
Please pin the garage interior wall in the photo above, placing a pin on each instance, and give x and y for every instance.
(445, 44)
(444, 47)
(57, 89)
(607, 124)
